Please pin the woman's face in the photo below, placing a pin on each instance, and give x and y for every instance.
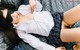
(16, 17)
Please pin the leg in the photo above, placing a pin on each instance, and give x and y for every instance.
(70, 35)
(71, 16)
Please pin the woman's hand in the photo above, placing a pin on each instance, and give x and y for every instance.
(32, 5)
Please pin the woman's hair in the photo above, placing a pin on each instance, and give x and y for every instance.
(7, 27)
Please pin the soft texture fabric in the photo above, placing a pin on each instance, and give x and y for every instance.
(41, 24)
(37, 26)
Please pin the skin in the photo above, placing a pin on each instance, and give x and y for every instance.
(74, 35)
(70, 17)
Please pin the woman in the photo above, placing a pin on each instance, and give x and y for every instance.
(67, 35)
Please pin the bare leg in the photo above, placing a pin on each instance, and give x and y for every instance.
(72, 15)
(70, 35)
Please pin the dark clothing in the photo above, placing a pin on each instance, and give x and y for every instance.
(54, 37)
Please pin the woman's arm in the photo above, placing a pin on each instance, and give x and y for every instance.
(33, 41)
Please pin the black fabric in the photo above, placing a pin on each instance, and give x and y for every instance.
(54, 37)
